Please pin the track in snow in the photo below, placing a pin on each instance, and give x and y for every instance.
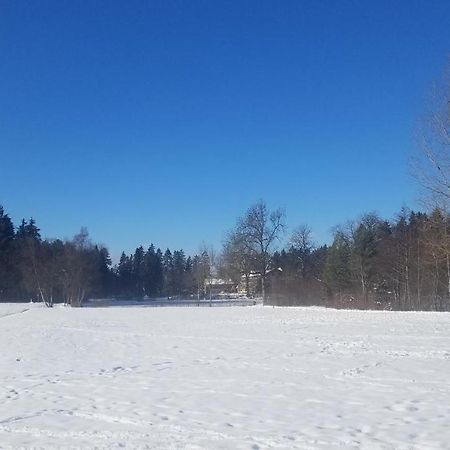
(223, 378)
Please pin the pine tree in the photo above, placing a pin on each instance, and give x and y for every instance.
(139, 272)
(30, 258)
(188, 276)
(7, 273)
(337, 271)
(6, 229)
(29, 230)
(168, 273)
(149, 271)
(125, 275)
(364, 250)
(159, 272)
(178, 270)
(105, 276)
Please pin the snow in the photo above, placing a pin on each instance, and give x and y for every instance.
(231, 377)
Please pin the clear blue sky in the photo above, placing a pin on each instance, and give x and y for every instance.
(161, 121)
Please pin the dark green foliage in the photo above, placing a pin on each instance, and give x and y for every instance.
(402, 265)
(152, 274)
(295, 277)
(125, 276)
(8, 276)
(50, 270)
(337, 270)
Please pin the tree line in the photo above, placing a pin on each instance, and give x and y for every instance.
(152, 273)
(70, 271)
(372, 263)
(49, 270)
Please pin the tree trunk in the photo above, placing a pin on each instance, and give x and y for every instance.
(448, 279)
(418, 300)
(263, 287)
(247, 284)
(210, 292)
(363, 285)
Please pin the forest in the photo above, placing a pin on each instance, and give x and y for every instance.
(372, 263)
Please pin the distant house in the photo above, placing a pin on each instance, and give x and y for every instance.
(253, 280)
(250, 283)
(217, 286)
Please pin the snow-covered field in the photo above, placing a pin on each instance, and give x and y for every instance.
(236, 377)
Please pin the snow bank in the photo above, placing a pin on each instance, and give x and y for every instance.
(249, 378)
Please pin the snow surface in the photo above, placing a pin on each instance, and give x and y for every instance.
(236, 377)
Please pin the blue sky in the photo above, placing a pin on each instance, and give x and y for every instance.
(162, 121)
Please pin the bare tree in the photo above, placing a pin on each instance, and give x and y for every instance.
(236, 259)
(302, 242)
(258, 230)
(301, 238)
(200, 271)
(212, 263)
(79, 270)
(432, 164)
(41, 267)
(437, 255)
(432, 170)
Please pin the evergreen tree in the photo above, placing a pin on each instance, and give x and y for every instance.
(139, 272)
(105, 286)
(337, 271)
(188, 276)
(6, 229)
(159, 272)
(125, 275)
(178, 271)
(364, 249)
(28, 230)
(29, 258)
(149, 271)
(7, 273)
(168, 273)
